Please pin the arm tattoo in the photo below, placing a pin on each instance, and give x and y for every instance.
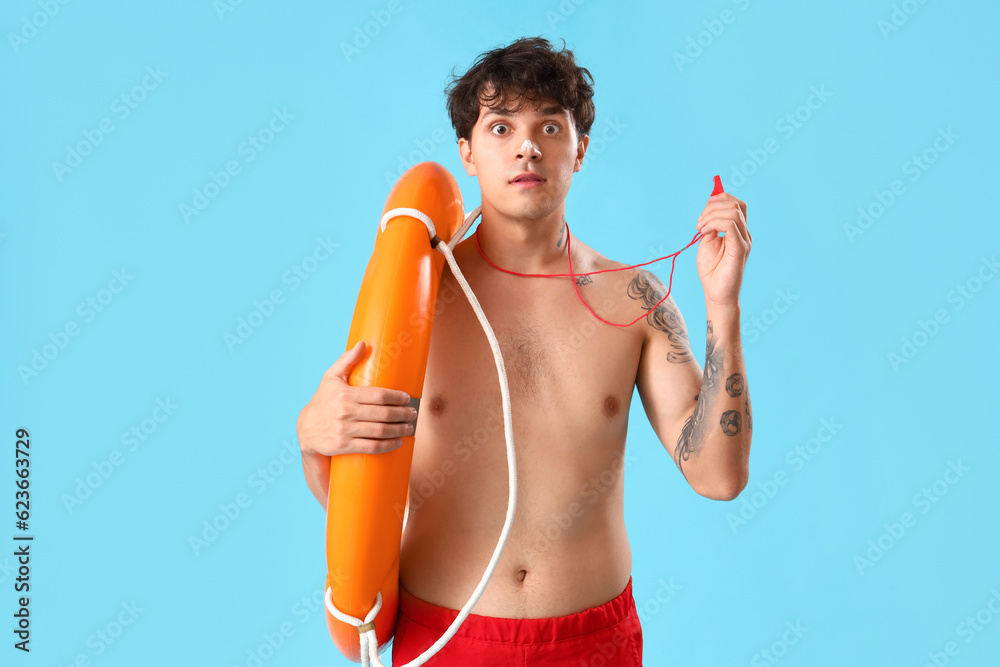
(746, 406)
(648, 289)
(730, 422)
(734, 384)
(694, 431)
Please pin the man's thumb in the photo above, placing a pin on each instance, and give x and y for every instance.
(347, 361)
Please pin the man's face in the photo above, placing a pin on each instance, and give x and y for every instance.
(539, 139)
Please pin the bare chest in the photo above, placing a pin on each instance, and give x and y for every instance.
(559, 359)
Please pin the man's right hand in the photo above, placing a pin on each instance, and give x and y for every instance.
(341, 419)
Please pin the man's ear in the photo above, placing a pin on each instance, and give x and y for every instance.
(465, 152)
(581, 150)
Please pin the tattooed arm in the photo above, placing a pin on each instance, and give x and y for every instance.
(703, 419)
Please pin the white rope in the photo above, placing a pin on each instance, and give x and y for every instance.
(469, 219)
(369, 642)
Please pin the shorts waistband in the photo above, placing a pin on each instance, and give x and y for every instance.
(520, 630)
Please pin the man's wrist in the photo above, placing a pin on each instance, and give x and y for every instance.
(720, 311)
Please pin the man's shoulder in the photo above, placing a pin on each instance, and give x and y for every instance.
(624, 276)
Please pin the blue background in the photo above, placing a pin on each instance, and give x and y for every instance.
(824, 306)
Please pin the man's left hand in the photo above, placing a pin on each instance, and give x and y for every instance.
(721, 259)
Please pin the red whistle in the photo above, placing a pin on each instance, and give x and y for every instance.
(718, 186)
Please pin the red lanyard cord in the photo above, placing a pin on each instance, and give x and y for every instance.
(716, 189)
(573, 276)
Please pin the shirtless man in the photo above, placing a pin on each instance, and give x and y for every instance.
(571, 380)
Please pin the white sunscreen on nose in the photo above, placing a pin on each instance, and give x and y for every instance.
(527, 146)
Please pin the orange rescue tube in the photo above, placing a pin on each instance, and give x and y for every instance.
(393, 316)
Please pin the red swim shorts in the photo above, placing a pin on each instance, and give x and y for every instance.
(604, 636)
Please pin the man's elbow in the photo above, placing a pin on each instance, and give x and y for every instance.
(726, 487)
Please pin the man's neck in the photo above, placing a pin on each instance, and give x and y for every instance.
(524, 245)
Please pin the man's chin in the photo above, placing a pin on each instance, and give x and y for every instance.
(528, 214)
(533, 210)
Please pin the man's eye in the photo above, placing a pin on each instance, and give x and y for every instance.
(554, 128)
(499, 129)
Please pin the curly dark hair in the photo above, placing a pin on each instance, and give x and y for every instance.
(527, 69)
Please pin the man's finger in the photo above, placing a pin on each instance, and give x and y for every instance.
(384, 413)
(380, 430)
(342, 368)
(381, 396)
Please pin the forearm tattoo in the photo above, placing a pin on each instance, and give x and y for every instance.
(647, 289)
(734, 384)
(730, 421)
(746, 406)
(694, 431)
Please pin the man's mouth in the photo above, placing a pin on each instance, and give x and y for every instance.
(527, 179)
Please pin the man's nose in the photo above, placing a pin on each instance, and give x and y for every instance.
(529, 149)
